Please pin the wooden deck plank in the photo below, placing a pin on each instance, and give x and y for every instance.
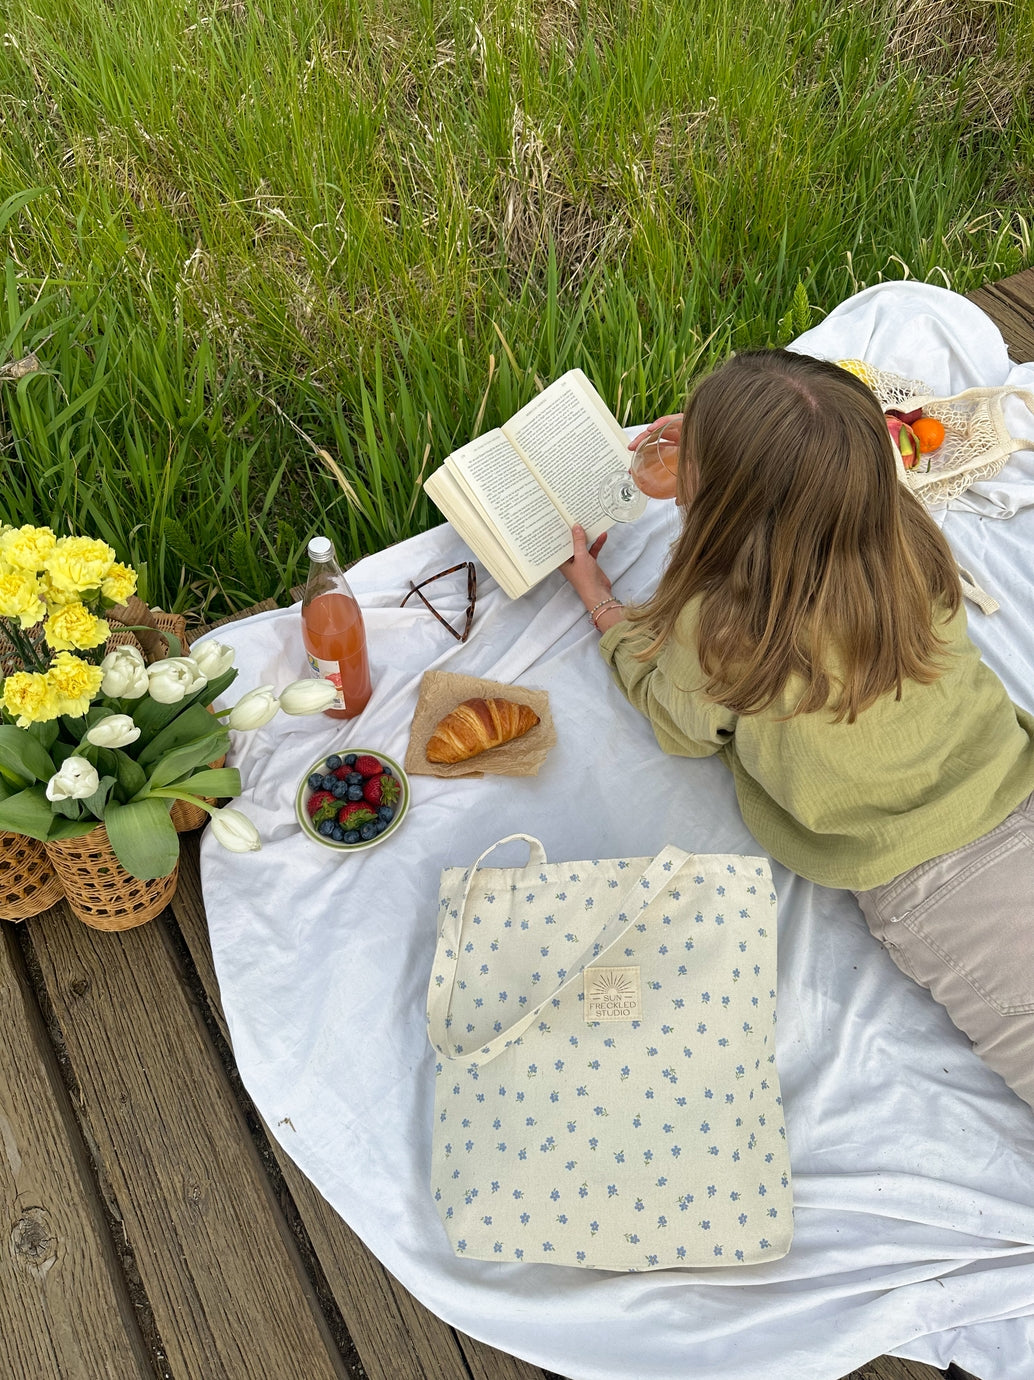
(229, 1297)
(63, 1299)
(894, 1368)
(394, 1334)
(1010, 305)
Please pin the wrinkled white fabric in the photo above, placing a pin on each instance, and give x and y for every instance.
(913, 1163)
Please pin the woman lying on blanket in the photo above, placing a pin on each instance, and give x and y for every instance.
(809, 628)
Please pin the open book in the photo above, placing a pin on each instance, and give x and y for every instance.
(514, 493)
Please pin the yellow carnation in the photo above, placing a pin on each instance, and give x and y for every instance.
(19, 596)
(52, 596)
(119, 583)
(79, 564)
(30, 698)
(75, 682)
(27, 548)
(73, 627)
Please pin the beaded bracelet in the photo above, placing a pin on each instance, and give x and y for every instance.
(603, 604)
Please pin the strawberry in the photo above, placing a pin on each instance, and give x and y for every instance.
(316, 800)
(355, 814)
(381, 790)
(368, 766)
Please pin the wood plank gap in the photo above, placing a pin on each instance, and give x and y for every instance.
(293, 1220)
(220, 1270)
(70, 1304)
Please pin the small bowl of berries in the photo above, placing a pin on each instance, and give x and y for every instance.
(352, 799)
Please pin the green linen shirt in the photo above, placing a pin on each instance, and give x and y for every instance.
(847, 805)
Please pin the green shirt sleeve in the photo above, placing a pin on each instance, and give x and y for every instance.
(668, 689)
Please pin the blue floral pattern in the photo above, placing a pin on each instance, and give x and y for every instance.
(623, 1144)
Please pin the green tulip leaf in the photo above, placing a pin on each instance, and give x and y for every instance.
(71, 829)
(217, 782)
(75, 729)
(215, 688)
(24, 754)
(193, 723)
(44, 733)
(28, 812)
(95, 803)
(143, 837)
(176, 764)
(130, 775)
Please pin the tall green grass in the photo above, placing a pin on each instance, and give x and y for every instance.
(275, 261)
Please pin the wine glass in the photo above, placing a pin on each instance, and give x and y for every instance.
(653, 473)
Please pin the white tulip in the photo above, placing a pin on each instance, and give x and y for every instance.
(213, 658)
(115, 731)
(173, 679)
(307, 696)
(125, 674)
(235, 831)
(254, 709)
(76, 780)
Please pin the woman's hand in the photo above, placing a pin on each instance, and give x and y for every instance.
(583, 571)
(656, 426)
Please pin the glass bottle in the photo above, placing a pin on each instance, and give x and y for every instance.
(333, 632)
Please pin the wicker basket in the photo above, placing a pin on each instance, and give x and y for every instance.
(99, 889)
(28, 883)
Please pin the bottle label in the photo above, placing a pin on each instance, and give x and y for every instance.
(327, 670)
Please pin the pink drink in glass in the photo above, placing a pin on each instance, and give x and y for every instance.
(655, 463)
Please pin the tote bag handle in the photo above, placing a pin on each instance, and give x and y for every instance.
(662, 869)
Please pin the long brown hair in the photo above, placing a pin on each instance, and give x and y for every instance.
(810, 557)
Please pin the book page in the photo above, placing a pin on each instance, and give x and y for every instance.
(571, 442)
(473, 528)
(511, 500)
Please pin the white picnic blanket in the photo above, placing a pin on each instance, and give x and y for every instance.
(913, 1163)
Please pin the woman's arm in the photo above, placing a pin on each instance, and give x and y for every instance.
(591, 583)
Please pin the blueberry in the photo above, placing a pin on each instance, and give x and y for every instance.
(387, 813)
(387, 769)
(379, 825)
(339, 790)
(351, 836)
(339, 834)
(326, 827)
(355, 792)
(355, 778)
(333, 762)
(368, 831)
(315, 782)
(351, 759)
(329, 782)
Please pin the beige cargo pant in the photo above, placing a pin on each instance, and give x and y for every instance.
(962, 926)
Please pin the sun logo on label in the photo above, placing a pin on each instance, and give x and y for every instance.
(613, 984)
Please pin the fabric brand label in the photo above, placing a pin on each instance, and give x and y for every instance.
(611, 994)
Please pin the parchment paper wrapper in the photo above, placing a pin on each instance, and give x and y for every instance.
(441, 692)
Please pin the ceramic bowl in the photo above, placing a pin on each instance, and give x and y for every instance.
(304, 794)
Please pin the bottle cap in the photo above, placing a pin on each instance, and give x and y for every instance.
(321, 549)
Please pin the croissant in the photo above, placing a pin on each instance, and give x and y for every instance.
(477, 725)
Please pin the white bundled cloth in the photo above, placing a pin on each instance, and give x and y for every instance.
(913, 1164)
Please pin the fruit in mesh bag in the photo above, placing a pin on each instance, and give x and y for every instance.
(861, 370)
(929, 433)
(905, 441)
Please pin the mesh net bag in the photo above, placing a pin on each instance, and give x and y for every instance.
(977, 440)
